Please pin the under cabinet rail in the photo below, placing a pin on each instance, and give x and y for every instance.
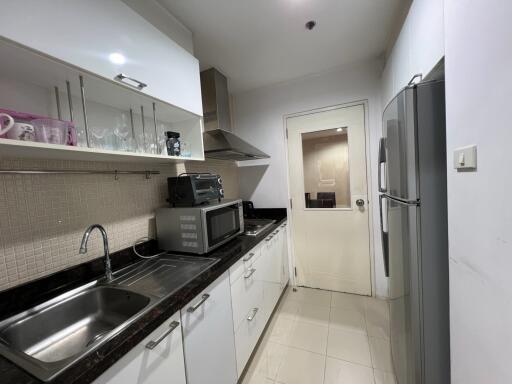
(114, 172)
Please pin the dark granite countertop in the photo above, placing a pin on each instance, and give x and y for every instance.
(94, 364)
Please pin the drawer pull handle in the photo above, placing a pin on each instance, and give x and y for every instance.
(138, 84)
(199, 303)
(251, 272)
(269, 238)
(251, 255)
(152, 344)
(276, 232)
(253, 314)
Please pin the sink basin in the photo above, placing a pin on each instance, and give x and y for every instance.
(47, 339)
(71, 326)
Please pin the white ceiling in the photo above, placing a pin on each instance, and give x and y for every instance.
(260, 42)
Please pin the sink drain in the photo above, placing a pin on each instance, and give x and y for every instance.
(97, 337)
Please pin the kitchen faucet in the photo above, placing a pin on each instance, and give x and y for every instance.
(83, 247)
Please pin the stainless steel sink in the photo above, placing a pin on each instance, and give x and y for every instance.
(73, 325)
(47, 339)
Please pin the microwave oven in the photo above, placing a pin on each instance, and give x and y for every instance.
(199, 229)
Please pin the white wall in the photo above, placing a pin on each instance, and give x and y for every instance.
(419, 47)
(259, 119)
(478, 91)
(162, 19)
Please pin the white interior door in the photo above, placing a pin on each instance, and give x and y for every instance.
(327, 170)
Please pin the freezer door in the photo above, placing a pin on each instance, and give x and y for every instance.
(399, 143)
(404, 302)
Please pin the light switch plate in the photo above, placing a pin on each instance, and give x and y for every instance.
(464, 158)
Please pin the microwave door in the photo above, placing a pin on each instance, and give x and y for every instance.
(399, 129)
(221, 224)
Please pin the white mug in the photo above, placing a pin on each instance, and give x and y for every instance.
(9, 125)
(22, 131)
(16, 131)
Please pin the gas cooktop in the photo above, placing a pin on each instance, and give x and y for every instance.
(253, 227)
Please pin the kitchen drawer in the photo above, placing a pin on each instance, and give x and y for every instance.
(247, 293)
(142, 365)
(247, 335)
(242, 266)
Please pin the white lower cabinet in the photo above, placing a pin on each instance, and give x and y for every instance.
(248, 308)
(247, 292)
(219, 329)
(208, 338)
(162, 364)
(256, 286)
(271, 256)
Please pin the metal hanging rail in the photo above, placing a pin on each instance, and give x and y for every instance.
(114, 172)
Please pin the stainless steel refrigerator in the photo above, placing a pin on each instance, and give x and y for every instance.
(414, 229)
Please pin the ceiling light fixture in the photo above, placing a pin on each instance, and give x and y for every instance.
(117, 58)
(310, 25)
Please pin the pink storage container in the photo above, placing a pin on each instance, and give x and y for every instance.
(48, 130)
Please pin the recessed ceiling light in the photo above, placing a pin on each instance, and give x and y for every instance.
(310, 25)
(117, 58)
(339, 130)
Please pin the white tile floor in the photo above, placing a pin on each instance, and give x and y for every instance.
(319, 337)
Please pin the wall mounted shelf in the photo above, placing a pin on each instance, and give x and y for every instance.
(32, 150)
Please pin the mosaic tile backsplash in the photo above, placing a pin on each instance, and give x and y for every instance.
(43, 217)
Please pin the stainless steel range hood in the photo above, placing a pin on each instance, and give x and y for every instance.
(219, 142)
(223, 145)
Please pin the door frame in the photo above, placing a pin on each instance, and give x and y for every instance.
(291, 253)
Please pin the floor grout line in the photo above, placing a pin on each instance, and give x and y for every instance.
(327, 343)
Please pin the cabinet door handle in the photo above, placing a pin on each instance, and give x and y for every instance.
(138, 84)
(152, 344)
(199, 303)
(251, 255)
(254, 311)
(251, 272)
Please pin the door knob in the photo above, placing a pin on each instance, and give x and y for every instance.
(360, 202)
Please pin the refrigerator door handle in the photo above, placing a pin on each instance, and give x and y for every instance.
(384, 235)
(382, 160)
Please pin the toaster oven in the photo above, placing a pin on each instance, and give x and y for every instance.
(190, 189)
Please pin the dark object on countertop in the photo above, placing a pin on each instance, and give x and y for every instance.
(250, 212)
(173, 143)
(248, 207)
(190, 189)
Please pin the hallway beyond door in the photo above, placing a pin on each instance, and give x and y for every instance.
(322, 337)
